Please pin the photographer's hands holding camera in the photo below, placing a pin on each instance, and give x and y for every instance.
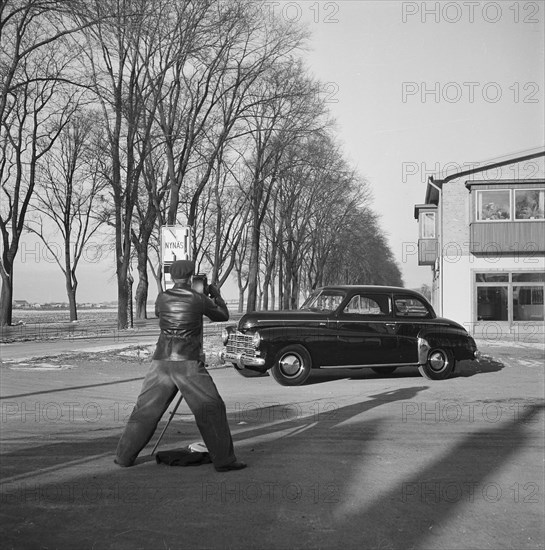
(214, 291)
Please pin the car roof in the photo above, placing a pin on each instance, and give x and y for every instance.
(370, 288)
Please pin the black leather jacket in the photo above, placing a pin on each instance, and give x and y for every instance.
(180, 311)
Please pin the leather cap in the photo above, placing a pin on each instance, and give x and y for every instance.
(182, 269)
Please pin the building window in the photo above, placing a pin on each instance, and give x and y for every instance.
(427, 225)
(492, 277)
(509, 204)
(529, 204)
(494, 205)
(531, 277)
(527, 303)
(513, 297)
(492, 303)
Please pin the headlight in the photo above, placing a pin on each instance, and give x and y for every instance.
(224, 336)
(256, 340)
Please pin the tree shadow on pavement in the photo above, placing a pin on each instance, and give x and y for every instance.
(307, 474)
(411, 512)
(70, 487)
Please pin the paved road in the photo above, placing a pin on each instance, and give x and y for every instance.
(349, 461)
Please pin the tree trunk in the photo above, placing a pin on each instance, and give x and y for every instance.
(253, 268)
(69, 276)
(294, 302)
(280, 280)
(141, 294)
(288, 278)
(268, 285)
(265, 295)
(6, 297)
(72, 305)
(240, 296)
(130, 314)
(71, 293)
(122, 298)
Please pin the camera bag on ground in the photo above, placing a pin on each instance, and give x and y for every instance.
(182, 457)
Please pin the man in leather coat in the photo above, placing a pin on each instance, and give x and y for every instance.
(178, 365)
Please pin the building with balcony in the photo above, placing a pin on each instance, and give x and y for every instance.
(482, 232)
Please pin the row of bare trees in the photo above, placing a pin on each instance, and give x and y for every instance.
(121, 116)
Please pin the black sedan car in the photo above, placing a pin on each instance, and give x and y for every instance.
(340, 327)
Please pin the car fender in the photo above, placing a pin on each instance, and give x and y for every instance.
(451, 338)
(273, 339)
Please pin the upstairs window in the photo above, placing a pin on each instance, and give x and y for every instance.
(494, 205)
(427, 225)
(529, 204)
(509, 205)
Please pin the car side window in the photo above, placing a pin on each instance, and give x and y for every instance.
(362, 304)
(409, 306)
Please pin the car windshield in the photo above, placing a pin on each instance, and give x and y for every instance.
(324, 300)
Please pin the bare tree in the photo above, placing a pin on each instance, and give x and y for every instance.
(241, 268)
(149, 216)
(290, 108)
(67, 197)
(36, 60)
(362, 255)
(237, 48)
(115, 51)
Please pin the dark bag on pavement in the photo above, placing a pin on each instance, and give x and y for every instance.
(182, 457)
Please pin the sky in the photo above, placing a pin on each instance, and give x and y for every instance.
(416, 88)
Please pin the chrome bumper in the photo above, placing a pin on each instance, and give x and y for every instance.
(242, 360)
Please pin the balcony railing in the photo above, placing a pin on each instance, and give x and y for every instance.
(427, 251)
(526, 238)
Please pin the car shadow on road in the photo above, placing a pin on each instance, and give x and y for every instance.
(464, 369)
(484, 364)
(319, 376)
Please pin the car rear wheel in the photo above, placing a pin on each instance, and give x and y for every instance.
(439, 366)
(384, 370)
(292, 366)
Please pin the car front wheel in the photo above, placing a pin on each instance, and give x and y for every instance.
(439, 366)
(292, 366)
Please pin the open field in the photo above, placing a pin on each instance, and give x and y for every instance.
(35, 316)
(53, 324)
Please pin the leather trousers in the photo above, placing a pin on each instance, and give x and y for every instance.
(160, 386)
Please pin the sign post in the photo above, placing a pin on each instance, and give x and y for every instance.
(175, 245)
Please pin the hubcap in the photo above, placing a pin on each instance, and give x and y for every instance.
(437, 361)
(290, 365)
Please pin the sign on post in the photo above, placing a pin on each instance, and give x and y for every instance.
(175, 245)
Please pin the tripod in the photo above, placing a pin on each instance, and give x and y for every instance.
(168, 423)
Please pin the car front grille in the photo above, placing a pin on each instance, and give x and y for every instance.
(241, 343)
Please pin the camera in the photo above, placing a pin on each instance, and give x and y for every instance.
(200, 283)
